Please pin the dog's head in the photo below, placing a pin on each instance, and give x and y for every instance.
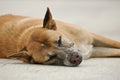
(49, 46)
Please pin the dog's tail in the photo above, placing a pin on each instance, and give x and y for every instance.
(100, 41)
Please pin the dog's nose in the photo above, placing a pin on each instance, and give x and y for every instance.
(76, 59)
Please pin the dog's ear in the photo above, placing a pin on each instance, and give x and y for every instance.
(21, 55)
(48, 22)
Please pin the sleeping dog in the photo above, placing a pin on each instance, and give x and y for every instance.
(47, 41)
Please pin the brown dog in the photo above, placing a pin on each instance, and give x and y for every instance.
(51, 42)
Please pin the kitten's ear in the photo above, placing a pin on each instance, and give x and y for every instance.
(48, 22)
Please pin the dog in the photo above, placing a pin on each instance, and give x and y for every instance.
(51, 42)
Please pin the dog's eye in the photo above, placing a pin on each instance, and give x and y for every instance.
(59, 41)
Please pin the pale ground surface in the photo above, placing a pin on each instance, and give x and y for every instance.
(99, 16)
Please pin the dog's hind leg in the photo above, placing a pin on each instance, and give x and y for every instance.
(105, 52)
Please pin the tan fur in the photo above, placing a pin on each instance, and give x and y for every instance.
(15, 32)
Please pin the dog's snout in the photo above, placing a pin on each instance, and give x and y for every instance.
(76, 58)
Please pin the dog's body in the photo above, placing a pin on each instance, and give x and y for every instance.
(17, 28)
(16, 41)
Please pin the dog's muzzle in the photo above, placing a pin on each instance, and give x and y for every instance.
(67, 57)
(73, 59)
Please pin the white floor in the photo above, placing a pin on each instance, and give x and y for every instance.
(92, 69)
(99, 16)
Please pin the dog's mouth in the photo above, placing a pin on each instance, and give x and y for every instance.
(65, 58)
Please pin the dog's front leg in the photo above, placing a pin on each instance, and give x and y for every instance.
(105, 52)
